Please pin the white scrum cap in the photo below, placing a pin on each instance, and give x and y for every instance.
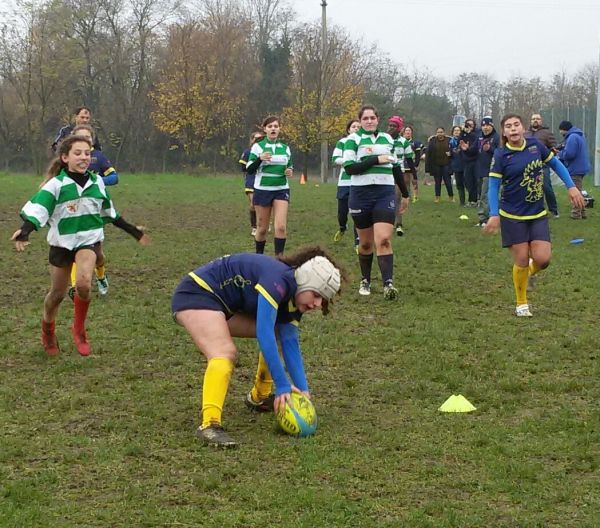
(318, 275)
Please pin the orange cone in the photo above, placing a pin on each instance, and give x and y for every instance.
(302, 179)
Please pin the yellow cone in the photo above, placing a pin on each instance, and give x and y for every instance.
(457, 404)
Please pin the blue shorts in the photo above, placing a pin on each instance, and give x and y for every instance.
(343, 192)
(249, 182)
(520, 231)
(190, 296)
(266, 198)
(372, 204)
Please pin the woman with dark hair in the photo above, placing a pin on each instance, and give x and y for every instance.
(75, 204)
(370, 160)
(438, 163)
(343, 186)
(249, 179)
(271, 160)
(456, 163)
(517, 168)
(250, 295)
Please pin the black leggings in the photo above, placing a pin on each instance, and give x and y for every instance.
(343, 215)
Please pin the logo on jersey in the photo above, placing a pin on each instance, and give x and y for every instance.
(72, 207)
(533, 181)
(237, 280)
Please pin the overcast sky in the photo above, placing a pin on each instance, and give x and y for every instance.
(500, 37)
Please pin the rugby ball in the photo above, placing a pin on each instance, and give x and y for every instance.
(299, 418)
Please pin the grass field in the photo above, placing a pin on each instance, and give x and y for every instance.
(109, 440)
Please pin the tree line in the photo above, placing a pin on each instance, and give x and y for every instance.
(179, 86)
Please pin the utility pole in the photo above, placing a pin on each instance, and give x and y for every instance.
(324, 149)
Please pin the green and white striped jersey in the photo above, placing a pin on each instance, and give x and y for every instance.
(337, 157)
(270, 175)
(76, 215)
(403, 150)
(362, 145)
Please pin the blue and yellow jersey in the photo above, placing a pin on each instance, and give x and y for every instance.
(103, 167)
(238, 281)
(520, 169)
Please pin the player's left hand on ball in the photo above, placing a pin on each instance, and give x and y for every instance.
(280, 401)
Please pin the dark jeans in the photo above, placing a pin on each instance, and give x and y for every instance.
(483, 210)
(471, 180)
(459, 176)
(549, 192)
(439, 173)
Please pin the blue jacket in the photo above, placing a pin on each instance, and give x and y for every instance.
(456, 163)
(575, 153)
(484, 157)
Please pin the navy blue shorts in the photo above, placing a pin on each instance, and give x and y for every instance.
(249, 182)
(190, 296)
(371, 204)
(343, 192)
(520, 231)
(266, 198)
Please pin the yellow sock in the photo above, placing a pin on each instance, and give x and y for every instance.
(100, 271)
(533, 267)
(520, 276)
(73, 274)
(216, 382)
(263, 382)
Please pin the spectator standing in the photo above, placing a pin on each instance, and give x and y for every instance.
(468, 150)
(456, 163)
(487, 143)
(544, 135)
(575, 157)
(82, 116)
(437, 162)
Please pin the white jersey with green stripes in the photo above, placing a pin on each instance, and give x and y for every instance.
(403, 149)
(76, 215)
(362, 145)
(270, 175)
(344, 179)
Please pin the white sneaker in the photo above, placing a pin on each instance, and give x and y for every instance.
(365, 287)
(102, 285)
(522, 310)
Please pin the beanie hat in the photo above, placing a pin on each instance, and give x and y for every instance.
(320, 276)
(565, 125)
(487, 120)
(398, 120)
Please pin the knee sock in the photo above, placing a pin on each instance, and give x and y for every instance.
(386, 266)
(520, 276)
(366, 262)
(73, 274)
(101, 271)
(81, 310)
(260, 246)
(216, 382)
(252, 218)
(533, 267)
(263, 382)
(279, 244)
